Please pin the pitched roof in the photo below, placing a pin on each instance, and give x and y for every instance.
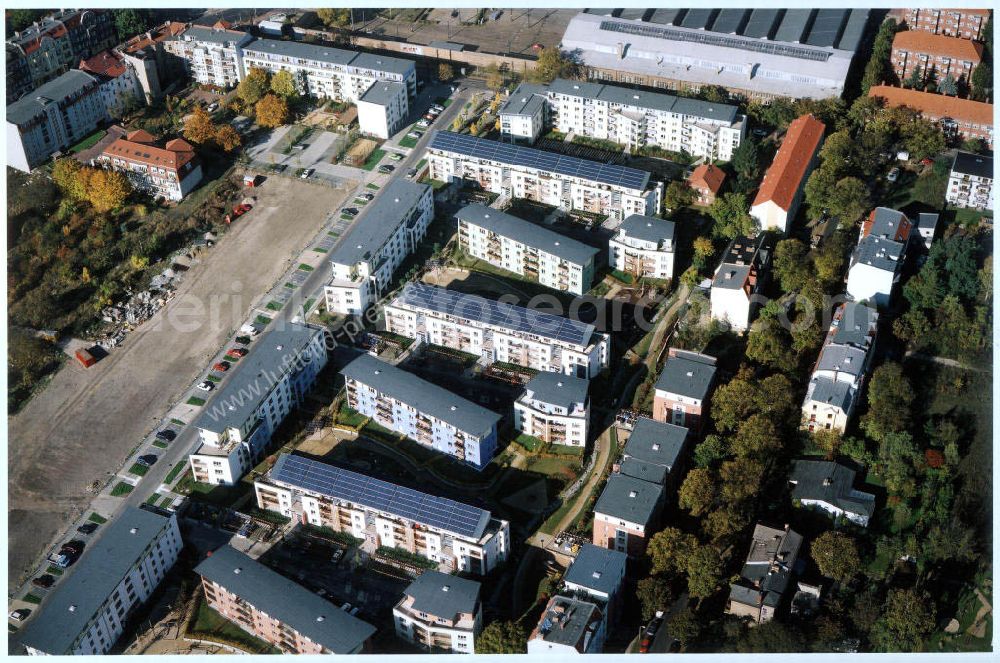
(106, 63)
(966, 163)
(707, 176)
(829, 482)
(888, 223)
(936, 106)
(881, 253)
(383, 92)
(443, 595)
(378, 222)
(558, 389)
(687, 374)
(656, 442)
(284, 600)
(32, 104)
(783, 178)
(629, 499)
(140, 136)
(855, 325)
(173, 158)
(158, 34)
(920, 41)
(823, 389)
(597, 569)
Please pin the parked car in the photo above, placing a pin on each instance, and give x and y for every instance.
(385, 169)
(411, 173)
(280, 168)
(438, 107)
(244, 340)
(650, 633)
(307, 173)
(414, 134)
(87, 528)
(927, 162)
(206, 385)
(893, 175)
(20, 614)
(165, 435)
(396, 156)
(368, 196)
(760, 133)
(238, 352)
(430, 117)
(346, 607)
(338, 554)
(353, 211)
(423, 124)
(244, 531)
(221, 366)
(148, 459)
(45, 581)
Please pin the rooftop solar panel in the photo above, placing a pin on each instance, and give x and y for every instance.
(546, 161)
(665, 16)
(762, 23)
(515, 318)
(698, 19)
(793, 25)
(339, 483)
(730, 21)
(854, 30)
(826, 27)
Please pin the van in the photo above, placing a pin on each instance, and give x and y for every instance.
(249, 329)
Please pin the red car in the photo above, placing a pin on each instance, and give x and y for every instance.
(222, 367)
(238, 352)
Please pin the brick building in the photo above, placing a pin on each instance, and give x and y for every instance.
(965, 117)
(950, 21)
(935, 55)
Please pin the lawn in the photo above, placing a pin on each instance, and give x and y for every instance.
(529, 442)
(54, 570)
(408, 141)
(348, 416)
(31, 598)
(205, 492)
(372, 186)
(159, 444)
(96, 518)
(122, 488)
(138, 469)
(89, 141)
(178, 422)
(306, 268)
(172, 474)
(274, 306)
(197, 402)
(443, 101)
(214, 378)
(566, 450)
(210, 625)
(373, 159)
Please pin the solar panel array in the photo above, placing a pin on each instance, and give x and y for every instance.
(515, 318)
(516, 155)
(374, 493)
(717, 40)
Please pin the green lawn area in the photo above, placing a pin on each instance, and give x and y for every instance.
(529, 442)
(178, 422)
(306, 268)
(214, 378)
(54, 570)
(373, 159)
(967, 217)
(443, 101)
(372, 186)
(218, 495)
(97, 518)
(309, 303)
(152, 499)
(408, 141)
(89, 141)
(160, 444)
(197, 402)
(172, 474)
(31, 598)
(348, 416)
(556, 467)
(274, 306)
(122, 488)
(290, 286)
(139, 469)
(210, 625)
(566, 450)
(262, 319)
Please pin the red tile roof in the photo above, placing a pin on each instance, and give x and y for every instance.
(141, 136)
(169, 157)
(782, 179)
(105, 63)
(162, 32)
(707, 176)
(936, 106)
(920, 41)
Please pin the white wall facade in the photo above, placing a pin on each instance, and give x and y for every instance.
(643, 258)
(870, 283)
(970, 191)
(551, 423)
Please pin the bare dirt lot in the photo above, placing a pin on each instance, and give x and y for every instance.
(85, 422)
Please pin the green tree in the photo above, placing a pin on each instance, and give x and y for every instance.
(684, 626)
(552, 64)
(445, 72)
(283, 84)
(838, 153)
(819, 189)
(890, 396)
(654, 594)
(836, 555)
(849, 199)
(948, 86)
(907, 620)
(757, 437)
(678, 194)
(669, 550)
(740, 479)
(923, 139)
(772, 636)
(254, 86)
(770, 344)
(697, 493)
(878, 69)
(334, 18)
(746, 160)
(704, 571)
(982, 82)
(710, 451)
(791, 264)
(130, 22)
(19, 19)
(502, 637)
(732, 218)
(916, 78)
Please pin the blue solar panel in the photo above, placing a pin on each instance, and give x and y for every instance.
(349, 486)
(490, 150)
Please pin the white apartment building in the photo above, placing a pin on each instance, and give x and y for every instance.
(54, 117)
(567, 627)
(643, 246)
(388, 230)
(236, 425)
(383, 109)
(738, 278)
(331, 73)
(554, 408)
(524, 172)
(841, 368)
(970, 183)
(169, 172)
(497, 331)
(877, 261)
(212, 55)
(526, 249)
(457, 536)
(119, 83)
(86, 612)
(523, 116)
(426, 413)
(440, 613)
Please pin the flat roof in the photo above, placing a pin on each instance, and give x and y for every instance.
(566, 619)
(424, 396)
(687, 374)
(442, 595)
(558, 389)
(378, 222)
(384, 93)
(251, 378)
(284, 600)
(210, 35)
(72, 604)
(526, 99)
(966, 163)
(527, 233)
(597, 569)
(33, 103)
(516, 155)
(339, 483)
(648, 228)
(630, 499)
(447, 45)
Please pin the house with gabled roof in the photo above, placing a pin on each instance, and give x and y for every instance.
(877, 260)
(782, 189)
(168, 170)
(829, 486)
(766, 577)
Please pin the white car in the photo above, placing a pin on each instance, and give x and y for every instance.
(423, 123)
(307, 173)
(20, 614)
(893, 175)
(206, 385)
(414, 134)
(437, 108)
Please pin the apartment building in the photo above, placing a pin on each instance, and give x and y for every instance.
(740, 276)
(440, 613)
(829, 487)
(119, 84)
(422, 411)
(169, 172)
(877, 261)
(631, 118)
(841, 368)
(388, 230)
(683, 388)
(706, 180)
(569, 626)
(626, 514)
(644, 247)
(458, 536)
(269, 606)
(50, 47)
(86, 612)
(934, 54)
(597, 574)
(497, 331)
(236, 425)
(949, 21)
(554, 408)
(155, 68)
(526, 249)
(56, 116)
(766, 577)
(330, 73)
(970, 182)
(958, 117)
(781, 192)
(653, 452)
(212, 55)
(926, 225)
(524, 115)
(553, 179)
(383, 109)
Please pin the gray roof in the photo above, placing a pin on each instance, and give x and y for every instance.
(375, 62)
(566, 619)
(641, 469)
(597, 569)
(424, 396)
(384, 92)
(648, 228)
(741, 254)
(881, 253)
(688, 374)
(927, 222)
(558, 389)
(297, 49)
(886, 222)
(527, 233)
(769, 566)
(442, 595)
(286, 601)
(966, 163)
(745, 594)
(841, 359)
(629, 499)
(251, 378)
(829, 482)
(105, 563)
(210, 35)
(376, 224)
(31, 104)
(730, 277)
(526, 99)
(656, 442)
(856, 325)
(823, 389)
(614, 94)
